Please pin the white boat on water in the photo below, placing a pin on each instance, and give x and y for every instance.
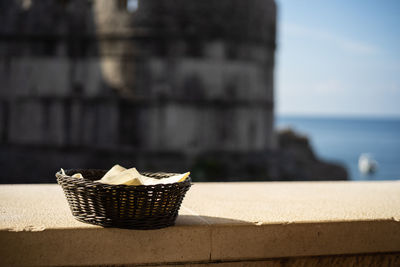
(367, 164)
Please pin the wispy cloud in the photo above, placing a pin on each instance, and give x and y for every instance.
(328, 87)
(358, 47)
(347, 44)
(394, 88)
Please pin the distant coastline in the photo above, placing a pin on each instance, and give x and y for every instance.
(337, 116)
(342, 139)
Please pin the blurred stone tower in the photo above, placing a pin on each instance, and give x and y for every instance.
(154, 77)
(203, 71)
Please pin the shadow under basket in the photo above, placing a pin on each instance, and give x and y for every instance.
(123, 206)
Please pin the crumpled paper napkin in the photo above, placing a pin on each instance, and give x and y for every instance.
(120, 175)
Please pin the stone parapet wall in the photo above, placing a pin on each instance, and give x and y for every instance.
(221, 224)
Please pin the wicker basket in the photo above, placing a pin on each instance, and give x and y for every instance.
(124, 206)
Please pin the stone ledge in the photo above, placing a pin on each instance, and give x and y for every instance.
(218, 222)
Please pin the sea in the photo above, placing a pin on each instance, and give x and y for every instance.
(343, 140)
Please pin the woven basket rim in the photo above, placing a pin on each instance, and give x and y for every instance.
(124, 206)
(120, 186)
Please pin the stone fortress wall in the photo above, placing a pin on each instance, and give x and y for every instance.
(172, 75)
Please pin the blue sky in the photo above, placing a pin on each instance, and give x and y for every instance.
(338, 58)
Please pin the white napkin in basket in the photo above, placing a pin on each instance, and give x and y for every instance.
(120, 175)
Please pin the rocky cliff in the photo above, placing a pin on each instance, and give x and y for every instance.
(298, 160)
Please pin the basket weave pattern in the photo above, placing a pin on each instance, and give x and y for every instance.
(124, 206)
